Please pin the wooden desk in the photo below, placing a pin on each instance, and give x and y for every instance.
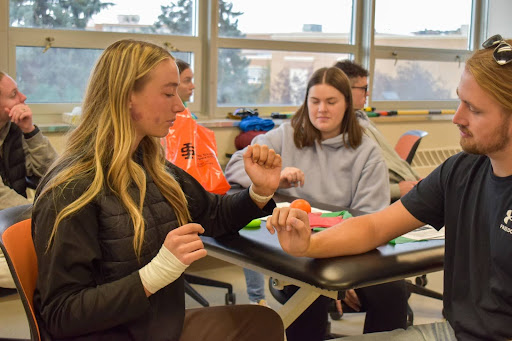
(260, 251)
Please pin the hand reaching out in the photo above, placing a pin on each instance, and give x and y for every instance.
(291, 177)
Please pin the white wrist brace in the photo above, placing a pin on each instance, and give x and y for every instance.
(259, 198)
(164, 269)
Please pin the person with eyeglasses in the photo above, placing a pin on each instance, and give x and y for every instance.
(402, 178)
(327, 158)
(470, 194)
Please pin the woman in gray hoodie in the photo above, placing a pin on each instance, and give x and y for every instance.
(327, 158)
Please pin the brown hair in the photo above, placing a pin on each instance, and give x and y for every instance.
(493, 78)
(182, 65)
(351, 69)
(305, 133)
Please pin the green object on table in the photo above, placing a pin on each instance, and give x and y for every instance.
(402, 240)
(318, 229)
(254, 224)
(344, 214)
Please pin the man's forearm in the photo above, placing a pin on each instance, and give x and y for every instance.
(39, 154)
(364, 233)
(351, 237)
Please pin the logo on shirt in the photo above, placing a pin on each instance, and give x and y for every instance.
(507, 219)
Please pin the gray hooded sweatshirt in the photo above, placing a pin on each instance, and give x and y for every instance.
(334, 174)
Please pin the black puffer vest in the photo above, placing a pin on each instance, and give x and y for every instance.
(114, 255)
(12, 162)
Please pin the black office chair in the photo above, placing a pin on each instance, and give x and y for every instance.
(193, 279)
(18, 248)
(408, 143)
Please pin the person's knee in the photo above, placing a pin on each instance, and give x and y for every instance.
(268, 321)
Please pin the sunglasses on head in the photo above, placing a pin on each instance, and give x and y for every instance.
(502, 52)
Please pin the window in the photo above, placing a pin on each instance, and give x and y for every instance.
(252, 53)
(428, 24)
(267, 78)
(419, 57)
(57, 76)
(286, 20)
(55, 44)
(415, 80)
(148, 16)
(264, 58)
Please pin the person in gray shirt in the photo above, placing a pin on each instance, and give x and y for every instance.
(327, 158)
(402, 178)
(24, 152)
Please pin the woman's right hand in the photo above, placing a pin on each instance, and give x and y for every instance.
(185, 244)
(182, 246)
(291, 177)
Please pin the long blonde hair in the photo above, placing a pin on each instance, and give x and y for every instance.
(99, 148)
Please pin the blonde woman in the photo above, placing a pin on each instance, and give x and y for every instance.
(115, 225)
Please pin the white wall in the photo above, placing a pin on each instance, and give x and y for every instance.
(499, 18)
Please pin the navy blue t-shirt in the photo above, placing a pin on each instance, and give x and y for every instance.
(464, 195)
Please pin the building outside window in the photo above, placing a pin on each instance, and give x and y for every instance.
(255, 53)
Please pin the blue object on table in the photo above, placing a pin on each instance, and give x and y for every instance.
(256, 123)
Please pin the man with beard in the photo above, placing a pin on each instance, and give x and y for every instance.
(470, 194)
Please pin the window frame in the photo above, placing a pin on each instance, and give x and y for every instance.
(206, 44)
(257, 44)
(81, 39)
(477, 21)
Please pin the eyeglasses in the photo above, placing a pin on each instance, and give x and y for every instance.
(364, 88)
(503, 52)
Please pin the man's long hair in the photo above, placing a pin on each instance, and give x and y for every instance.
(495, 79)
(99, 149)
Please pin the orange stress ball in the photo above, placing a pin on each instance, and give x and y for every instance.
(301, 204)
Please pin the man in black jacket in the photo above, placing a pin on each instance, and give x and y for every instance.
(24, 152)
